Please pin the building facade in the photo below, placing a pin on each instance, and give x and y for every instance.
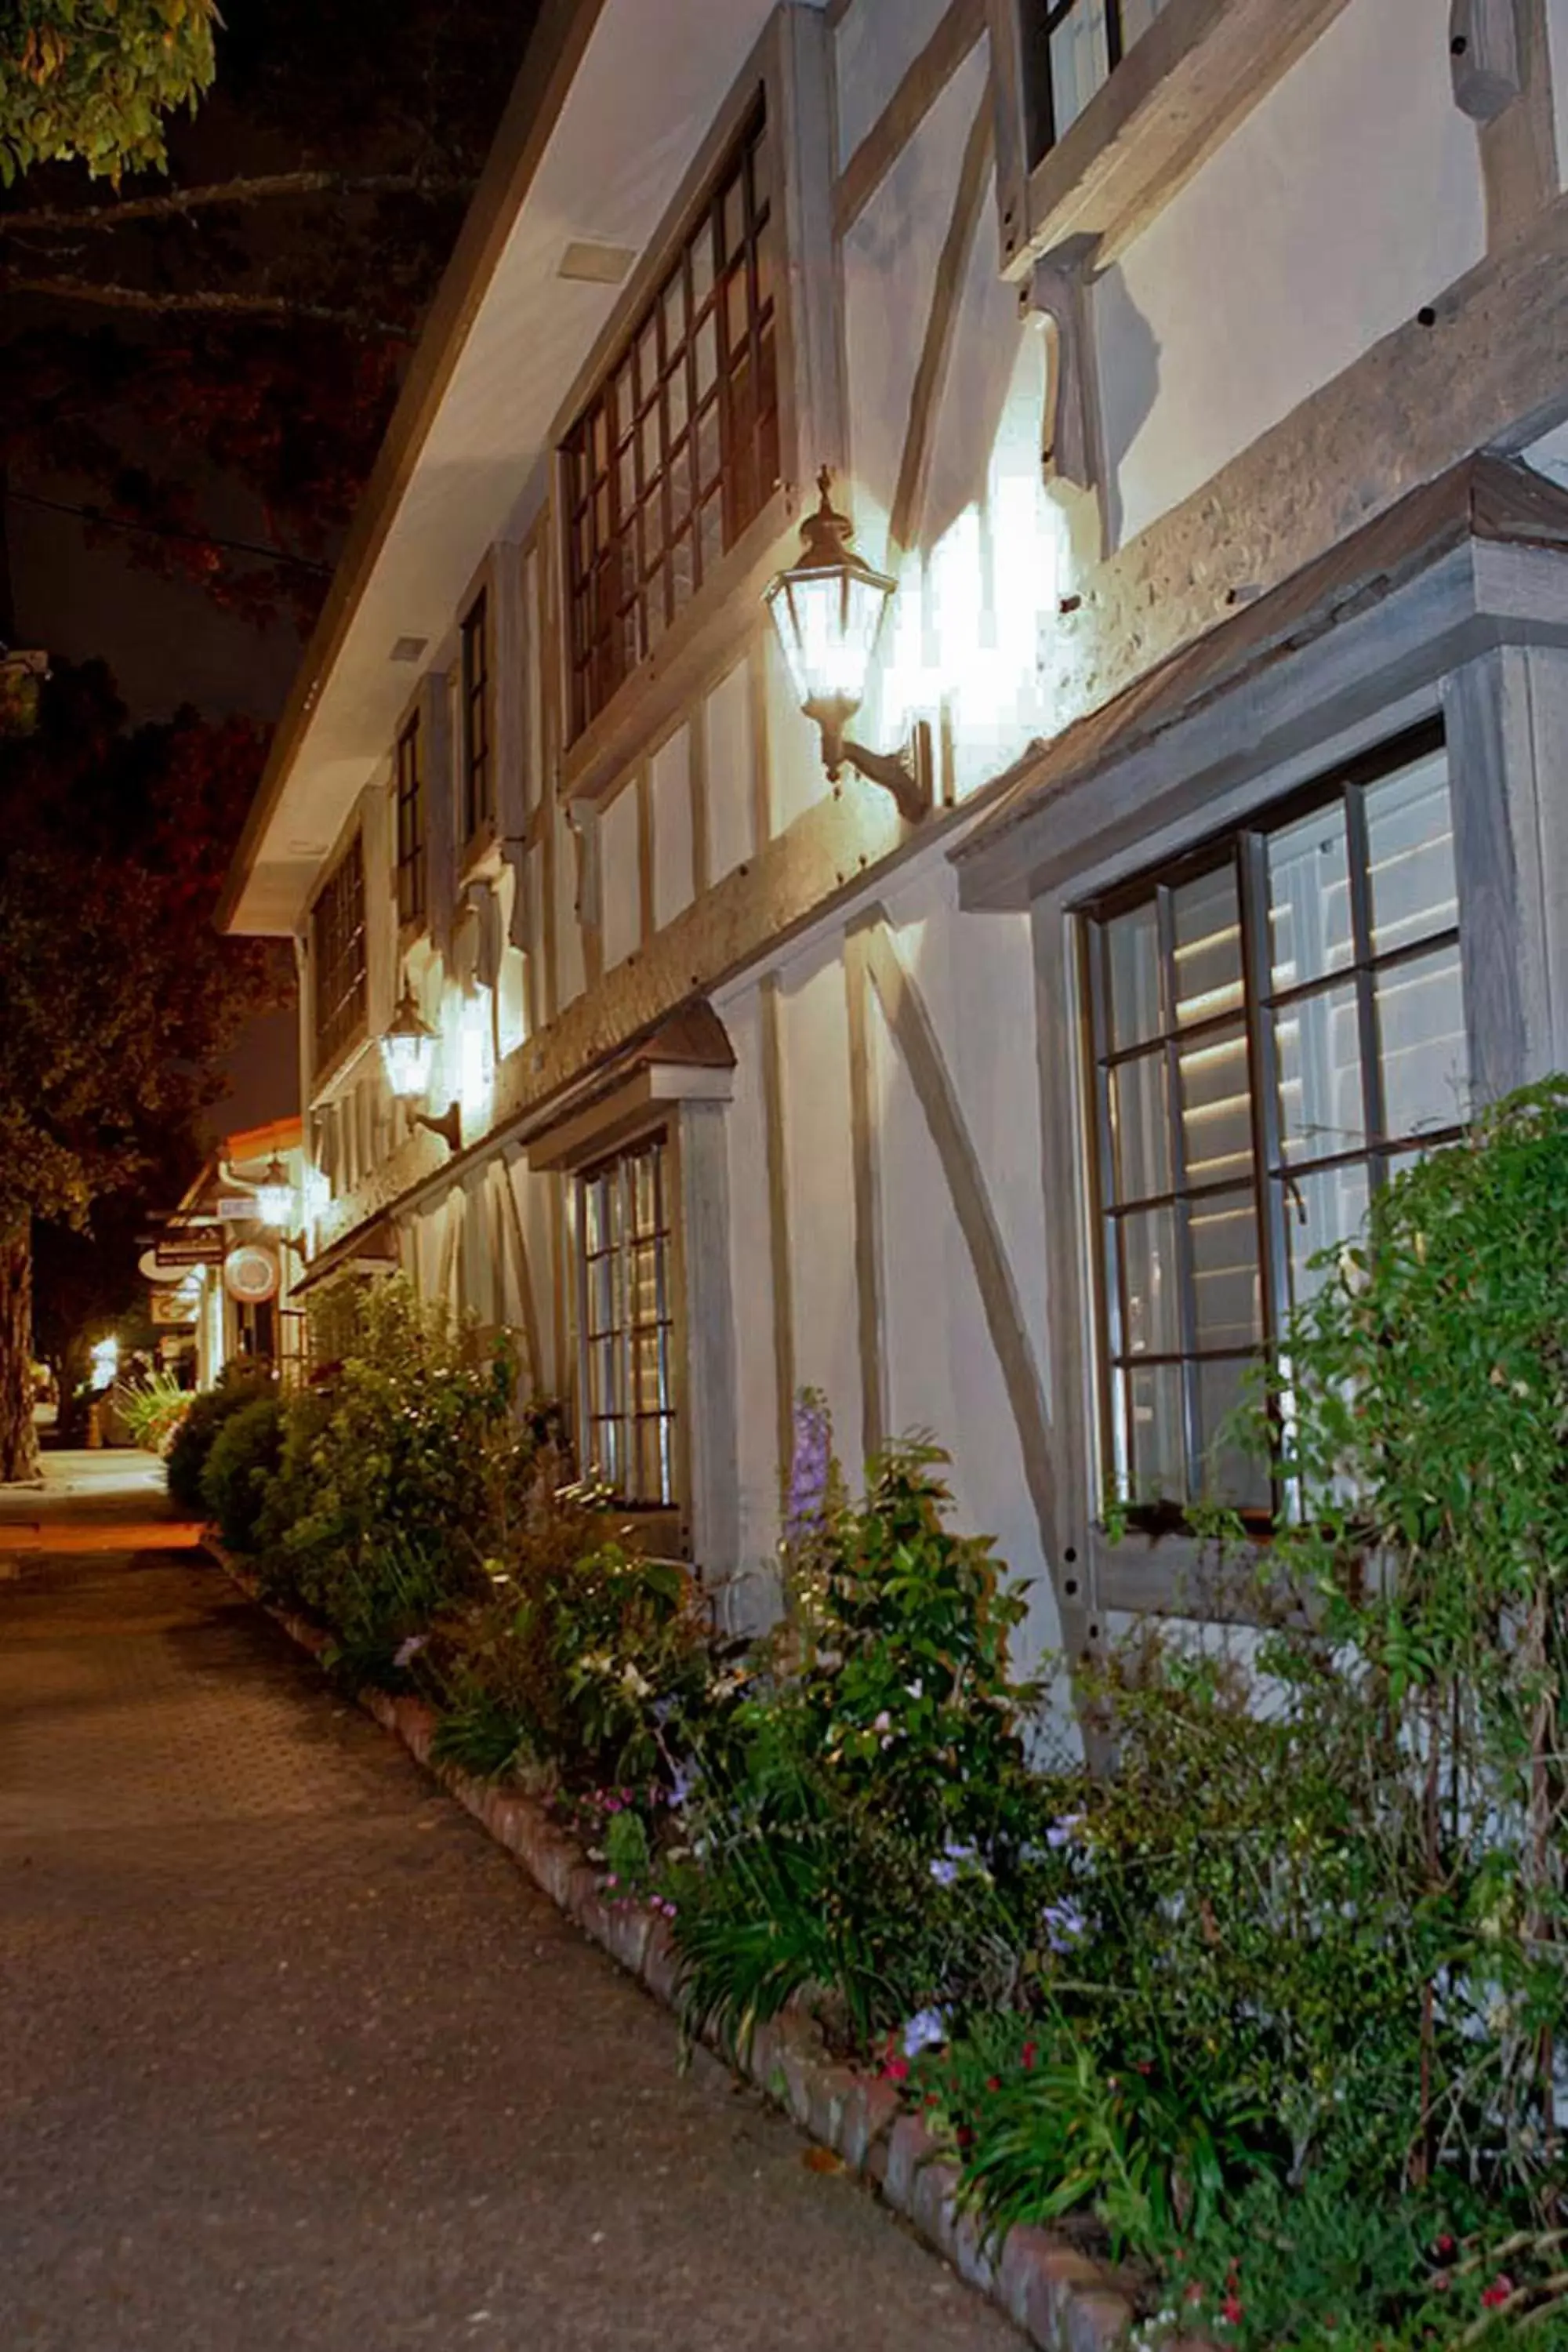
(1197, 371)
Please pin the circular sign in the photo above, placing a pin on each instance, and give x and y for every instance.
(250, 1274)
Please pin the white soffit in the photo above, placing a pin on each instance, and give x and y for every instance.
(652, 81)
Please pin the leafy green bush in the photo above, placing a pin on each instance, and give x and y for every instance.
(864, 1811)
(415, 1451)
(239, 1385)
(153, 1409)
(243, 1456)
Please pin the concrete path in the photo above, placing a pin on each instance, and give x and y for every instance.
(292, 2056)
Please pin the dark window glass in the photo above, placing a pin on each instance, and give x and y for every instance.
(338, 954)
(1071, 48)
(1274, 1022)
(678, 449)
(478, 780)
(410, 824)
(628, 1326)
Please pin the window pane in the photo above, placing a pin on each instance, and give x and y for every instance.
(1229, 1471)
(1422, 1046)
(1080, 62)
(1318, 1041)
(1156, 1467)
(1322, 1212)
(1207, 922)
(1216, 1108)
(1141, 1131)
(1133, 960)
(1310, 930)
(1226, 1291)
(1410, 849)
(1149, 1273)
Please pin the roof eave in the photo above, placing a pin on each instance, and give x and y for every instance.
(554, 51)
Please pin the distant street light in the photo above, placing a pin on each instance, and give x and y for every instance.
(829, 609)
(275, 1195)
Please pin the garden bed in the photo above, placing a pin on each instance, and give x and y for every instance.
(1061, 2298)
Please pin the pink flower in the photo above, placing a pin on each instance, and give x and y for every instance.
(896, 2069)
(1494, 2296)
(1230, 2309)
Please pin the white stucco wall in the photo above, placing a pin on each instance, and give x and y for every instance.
(1347, 199)
(669, 789)
(727, 718)
(814, 1034)
(876, 44)
(620, 886)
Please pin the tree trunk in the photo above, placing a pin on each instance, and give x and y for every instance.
(18, 1438)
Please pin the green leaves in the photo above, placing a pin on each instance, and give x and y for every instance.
(92, 81)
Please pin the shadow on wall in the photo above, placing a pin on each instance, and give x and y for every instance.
(1128, 356)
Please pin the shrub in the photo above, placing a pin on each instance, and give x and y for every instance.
(864, 1809)
(239, 1385)
(243, 1456)
(153, 1410)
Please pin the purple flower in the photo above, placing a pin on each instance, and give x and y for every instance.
(950, 1861)
(1064, 1829)
(811, 1466)
(409, 1650)
(927, 2031)
(1064, 1924)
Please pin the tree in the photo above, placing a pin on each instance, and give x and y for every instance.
(92, 81)
(116, 995)
(249, 325)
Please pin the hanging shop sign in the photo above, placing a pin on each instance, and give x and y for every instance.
(237, 1208)
(171, 1311)
(250, 1274)
(176, 1253)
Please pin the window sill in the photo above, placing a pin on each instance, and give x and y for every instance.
(1180, 1576)
(1179, 91)
(721, 618)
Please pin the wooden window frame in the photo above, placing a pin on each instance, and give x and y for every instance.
(682, 431)
(1272, 1174)
(1170, 100)
(476, 718)
(624, 1414)
(411, 859)
(339, 959)
(791, 67)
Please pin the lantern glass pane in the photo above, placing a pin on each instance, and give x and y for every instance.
(406, 1058)
(827, 623)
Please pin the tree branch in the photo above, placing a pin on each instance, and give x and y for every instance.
(181, 201)
(281, 307)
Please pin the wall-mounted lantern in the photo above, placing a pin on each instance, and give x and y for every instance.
(408, 1056)
(275, 1195)
(829, 609)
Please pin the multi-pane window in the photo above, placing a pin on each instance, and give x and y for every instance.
(1071, 47)
(630, 1408)
(678, 449)
(338, 954)
(1276, 1023)
(410, 824)
(476, 779)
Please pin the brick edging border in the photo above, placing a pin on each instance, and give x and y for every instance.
(1063, 2300)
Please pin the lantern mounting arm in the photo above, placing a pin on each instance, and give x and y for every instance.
(906, 774)
(449, 1126)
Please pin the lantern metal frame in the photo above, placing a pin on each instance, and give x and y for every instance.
(827, 558)
(408, 1023)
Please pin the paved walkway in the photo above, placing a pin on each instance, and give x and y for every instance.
(292, 2056)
